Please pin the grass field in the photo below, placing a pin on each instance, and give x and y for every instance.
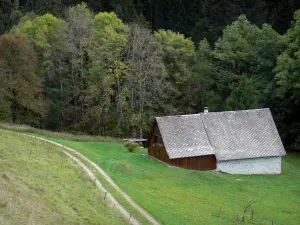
(64, 135)
(178, 196)
(40, 185)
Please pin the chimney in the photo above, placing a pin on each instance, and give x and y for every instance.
(205, 110)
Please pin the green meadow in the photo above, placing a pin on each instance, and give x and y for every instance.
(178, 196)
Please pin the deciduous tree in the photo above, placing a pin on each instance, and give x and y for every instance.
(80, 22)
(20, 83)
(109, 39)
(48, 35)
(178, 57)
(149, 89)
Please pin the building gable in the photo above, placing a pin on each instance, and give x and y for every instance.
(184, 136)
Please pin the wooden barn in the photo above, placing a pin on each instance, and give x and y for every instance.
(180, 155)
(237, 142)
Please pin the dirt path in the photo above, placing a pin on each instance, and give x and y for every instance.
(108, 196)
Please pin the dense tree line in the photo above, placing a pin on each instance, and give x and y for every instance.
(197, 19)
(94, 73)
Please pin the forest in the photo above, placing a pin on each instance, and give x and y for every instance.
(109, 67)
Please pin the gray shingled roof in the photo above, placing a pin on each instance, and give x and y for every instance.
(229, 135)
(184, 136)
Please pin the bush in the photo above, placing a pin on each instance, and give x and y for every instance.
(131, 146)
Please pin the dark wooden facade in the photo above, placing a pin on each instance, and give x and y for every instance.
(157, 150)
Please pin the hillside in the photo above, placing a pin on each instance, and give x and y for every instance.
(40, 185)
(94, 71)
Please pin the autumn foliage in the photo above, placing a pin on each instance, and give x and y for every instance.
(20, 83)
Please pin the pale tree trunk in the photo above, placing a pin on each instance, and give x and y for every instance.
(74, 95)
(61, 93)
(82, 85)
(99, 122)
(106, 123)
(106, 112)
(13, 111)
(132, 98)
(119, 104)
(141, 109)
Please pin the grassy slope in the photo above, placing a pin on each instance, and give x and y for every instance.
(64, 135)
(178, 196)
(40, 185)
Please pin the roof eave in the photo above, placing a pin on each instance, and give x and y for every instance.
(191, 156)
(241, 158)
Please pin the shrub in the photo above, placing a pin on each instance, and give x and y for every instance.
(131, 146)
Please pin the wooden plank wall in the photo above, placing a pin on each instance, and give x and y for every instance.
(157, 150)
(206, 162)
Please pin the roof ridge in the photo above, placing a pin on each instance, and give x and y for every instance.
(202, 113)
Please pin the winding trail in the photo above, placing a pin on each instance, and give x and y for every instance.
(108, 195)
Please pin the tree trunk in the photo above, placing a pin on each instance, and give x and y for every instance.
(82, 85)
(13, 110)
(119, 103)
(141, 110)
(61, 94)
(99, 122)
(105, 125)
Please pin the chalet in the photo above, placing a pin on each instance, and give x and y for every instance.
(236, 142)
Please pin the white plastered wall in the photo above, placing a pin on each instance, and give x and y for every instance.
(267, 165)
